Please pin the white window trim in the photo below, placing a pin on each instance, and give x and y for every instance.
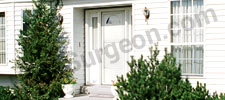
(186, 75)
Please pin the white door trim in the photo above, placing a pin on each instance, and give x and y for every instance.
(98, 13)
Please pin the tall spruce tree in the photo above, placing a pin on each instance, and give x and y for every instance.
(42, 60)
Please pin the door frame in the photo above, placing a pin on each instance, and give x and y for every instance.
(128, 35)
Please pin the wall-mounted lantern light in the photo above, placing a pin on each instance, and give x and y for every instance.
(60, 19)
(146, 14)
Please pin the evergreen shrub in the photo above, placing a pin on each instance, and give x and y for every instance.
(159, 80)
(6, 93)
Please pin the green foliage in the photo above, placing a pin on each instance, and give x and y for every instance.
(42, 59)
(158, 80)
(200, 92)
(69, 79)
(6, 93)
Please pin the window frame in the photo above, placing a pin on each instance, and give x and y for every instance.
(6, 40)
(188, 43)
(22, 16)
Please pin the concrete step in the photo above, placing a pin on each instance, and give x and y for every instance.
(99, 91)
(101, 95)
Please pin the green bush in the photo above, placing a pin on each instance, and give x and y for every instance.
(158, 80)
(6, 93)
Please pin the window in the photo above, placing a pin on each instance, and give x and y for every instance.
(94, 32)
(187, 37)
(2, 38)
(25, 14)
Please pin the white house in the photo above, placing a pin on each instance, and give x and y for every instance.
(105, 33)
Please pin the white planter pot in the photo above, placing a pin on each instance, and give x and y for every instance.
(115, 94)
(68, 89)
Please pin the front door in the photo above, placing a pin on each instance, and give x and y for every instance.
(113, 29)
(105, 29)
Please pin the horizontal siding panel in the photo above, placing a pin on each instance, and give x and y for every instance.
(152, 1)
(153, 38)
(23, 8)
(215, 36)
(214, 82)
(4, 6)
(151, 5)
(18, 13)
(216, 25)
(215, 64)
(153, 11)
(149, 27)
(214, 75)
(18, 18)
(215, 54)
(147, 46)
(216, 41)
(216, 59)
(215, 30)
(66, 14)
(154, 16)
(220, 19)
(67, 22)
(215, 2)
(161, 32)
(150, 22)
(215, 70)
(219, 12)
(19, 23)
(23, 4)
(67, 25)
(216, 7)
(215, 47)
(165, 25)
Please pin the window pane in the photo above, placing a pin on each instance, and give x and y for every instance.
(176, 19)
(25, 15)
(198, 6)
(199, 35)
(190, 57)
(176, 28)
(186, 33)
(175, 7)
(94, 32)
(187, 6)
(187, 29)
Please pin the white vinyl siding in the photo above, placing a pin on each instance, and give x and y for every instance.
(187, 36)
(214, 44)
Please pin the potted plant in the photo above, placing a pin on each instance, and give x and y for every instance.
(68, 85)
(113, 90)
